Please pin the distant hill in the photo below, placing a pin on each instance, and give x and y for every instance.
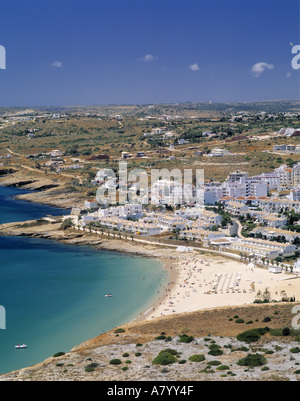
(276, 106)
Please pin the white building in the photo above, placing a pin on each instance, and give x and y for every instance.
(286, 176)
(124, 211)
(258, 247)
(236, 208)
(296, 175)
(201, 214)
(294, 195)
(275, 269)
(56, 152)
(270, 219)
(91, 204)
(237, 175)
(296, 267)
(200, 234)
(213, 192)
(270, 232)
(238, 184)
(271, 179)
(278, 205)
(217, 152)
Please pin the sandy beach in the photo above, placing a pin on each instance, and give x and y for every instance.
(196, 279)
(201, 281)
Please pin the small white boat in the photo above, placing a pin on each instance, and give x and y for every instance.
(108, 295)
(21, 346)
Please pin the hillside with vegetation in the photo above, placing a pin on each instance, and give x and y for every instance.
(94, 138)
(251, 343)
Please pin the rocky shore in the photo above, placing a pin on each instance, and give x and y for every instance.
(48, 190)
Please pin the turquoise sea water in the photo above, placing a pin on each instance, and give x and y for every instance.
(54, 294)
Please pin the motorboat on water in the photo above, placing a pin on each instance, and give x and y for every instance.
(21, 346)
(108, 295)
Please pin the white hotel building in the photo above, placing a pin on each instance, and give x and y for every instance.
(238, 184)
(261, 248)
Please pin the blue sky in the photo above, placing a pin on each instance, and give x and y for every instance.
(88, 52)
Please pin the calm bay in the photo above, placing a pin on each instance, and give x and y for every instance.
(54, 294)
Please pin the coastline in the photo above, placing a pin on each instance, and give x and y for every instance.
(196, 279)
(47, 190)
(195, 319)
(182, 293)
(51, 231)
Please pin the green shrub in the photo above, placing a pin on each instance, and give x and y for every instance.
(125, 355)
(91, 367)
(58, 354)
(207, 370)
(125, 368)
(252, 335)
(68, 223)
(171, 351)
(182, 361)
(197, 358)
(115, 361)
(87, 369)
(184, 338)
(165, 357)
(223, 367)
(119, 330)
(244, 349)
(138, 354)
(160, 337)
(295, 350)
(213, 363)
(240, 321)
(215, 350)
(296, 335)
(252, 360)
(286, 331)
(276, 332)
(266, 319)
